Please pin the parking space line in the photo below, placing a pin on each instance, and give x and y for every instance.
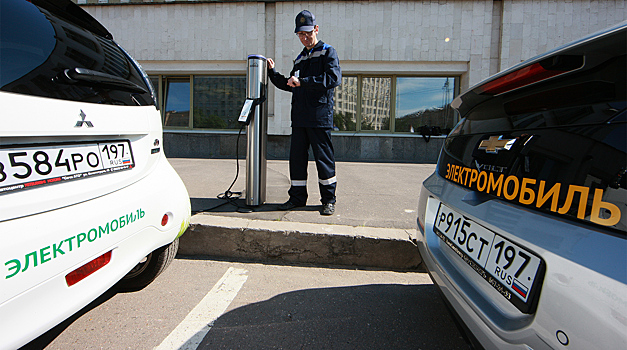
(191, 331)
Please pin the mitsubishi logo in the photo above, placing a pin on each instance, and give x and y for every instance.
(83, 121)
(495, 144)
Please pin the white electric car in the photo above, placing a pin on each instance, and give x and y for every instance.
(88, 199)
(523, 225)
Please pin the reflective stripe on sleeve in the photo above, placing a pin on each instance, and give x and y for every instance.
(318, 53)
(328, 181)
(299, 182)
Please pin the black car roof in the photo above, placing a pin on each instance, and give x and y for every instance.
(71, 12)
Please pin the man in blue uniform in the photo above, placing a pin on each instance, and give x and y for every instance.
(315, 74)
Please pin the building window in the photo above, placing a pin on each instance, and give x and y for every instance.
(363, 103)
(218, 101)
(177, 102)
(395, 104)
(424, 102)
(215, 101)
(376, 94)
(345, 113)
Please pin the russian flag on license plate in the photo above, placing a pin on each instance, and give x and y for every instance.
(520, 289)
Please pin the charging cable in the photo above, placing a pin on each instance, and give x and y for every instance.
(228, 196)
(244, 119)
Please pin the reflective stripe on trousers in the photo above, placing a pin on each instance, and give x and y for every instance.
(319, 139)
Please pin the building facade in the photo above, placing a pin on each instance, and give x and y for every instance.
(402, 62)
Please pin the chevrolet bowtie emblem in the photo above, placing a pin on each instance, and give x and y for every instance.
(83, 121)
(495, 144)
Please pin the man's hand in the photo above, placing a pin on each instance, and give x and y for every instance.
(293, 82)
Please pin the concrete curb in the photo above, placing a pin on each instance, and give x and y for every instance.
(300, 242)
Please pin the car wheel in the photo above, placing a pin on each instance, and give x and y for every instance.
(149, 268)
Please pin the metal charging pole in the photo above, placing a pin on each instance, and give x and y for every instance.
(256, 131)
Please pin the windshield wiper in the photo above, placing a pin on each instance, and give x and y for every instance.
(83, 76)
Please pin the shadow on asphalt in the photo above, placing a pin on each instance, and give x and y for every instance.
(232, 205)
(376, 316)
(357, 317)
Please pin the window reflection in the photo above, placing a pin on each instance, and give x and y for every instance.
(345, 111)
(218, 101)
(362, 103)
(422, 101)
(375, 103)
(177, 103)
(155, 83)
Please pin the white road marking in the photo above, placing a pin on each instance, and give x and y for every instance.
(191, 331)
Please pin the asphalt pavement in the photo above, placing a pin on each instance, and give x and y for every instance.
(264, 306)
(374, 223)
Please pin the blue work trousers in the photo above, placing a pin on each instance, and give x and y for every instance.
(319, 139)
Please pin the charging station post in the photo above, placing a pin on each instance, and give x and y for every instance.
(254, 115)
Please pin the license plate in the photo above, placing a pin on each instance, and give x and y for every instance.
(28, 167)
(514, 271)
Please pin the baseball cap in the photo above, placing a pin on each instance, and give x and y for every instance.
(305, 22)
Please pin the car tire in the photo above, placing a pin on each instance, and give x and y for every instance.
(149, 268)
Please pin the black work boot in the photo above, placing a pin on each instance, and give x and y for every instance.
(328, 209)
(288, 205)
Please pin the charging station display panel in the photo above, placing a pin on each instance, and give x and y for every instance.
(245, 113)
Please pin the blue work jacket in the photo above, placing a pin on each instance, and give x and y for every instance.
(319, 73)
